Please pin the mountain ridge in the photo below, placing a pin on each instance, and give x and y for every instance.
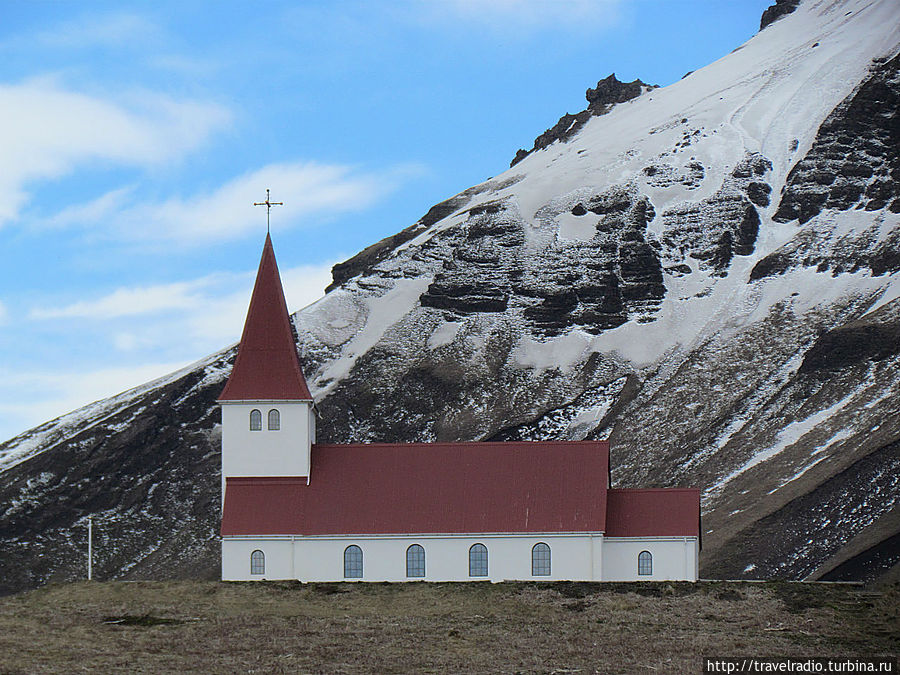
(632, 281)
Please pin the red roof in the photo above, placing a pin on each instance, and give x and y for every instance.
(267, 366)
(437, 488)
(660, 512)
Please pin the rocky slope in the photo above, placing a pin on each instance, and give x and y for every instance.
(708, 274)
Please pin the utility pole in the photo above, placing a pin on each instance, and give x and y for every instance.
(90, 547)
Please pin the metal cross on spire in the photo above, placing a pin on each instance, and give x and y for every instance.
(268, 204)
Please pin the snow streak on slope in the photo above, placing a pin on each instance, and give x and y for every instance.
(46, 436)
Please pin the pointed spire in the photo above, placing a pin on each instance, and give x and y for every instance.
(267, 366)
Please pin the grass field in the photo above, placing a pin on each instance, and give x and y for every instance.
(285, 627)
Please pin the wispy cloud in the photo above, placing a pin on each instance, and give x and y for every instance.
(227, 212)
(129, 302)
(30, 397)
(46, 131)
(210, 308)
(158, 328)
(102, 30)
(92, 212)
(3, 313)
(515, 17)
(219, 320)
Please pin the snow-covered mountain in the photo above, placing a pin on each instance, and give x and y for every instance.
(707, 273)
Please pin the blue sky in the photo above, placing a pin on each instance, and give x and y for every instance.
(134, 138)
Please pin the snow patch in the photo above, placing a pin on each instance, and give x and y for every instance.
(383, 312)
(576, 228)
(443, 335)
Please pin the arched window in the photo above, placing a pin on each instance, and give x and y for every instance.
(645, 563)
(478, 560)
(415, 561)
(257, 562)
(274, 420)
(353, 562)
(540, 560)
(255, 420)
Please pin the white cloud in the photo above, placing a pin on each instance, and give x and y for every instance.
(46, 131)
(127, 342)
(3, 312)
(305, 284)
(227, 212)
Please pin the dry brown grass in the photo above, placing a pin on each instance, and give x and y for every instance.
(433, 628)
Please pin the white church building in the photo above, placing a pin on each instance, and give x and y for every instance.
(296, 509)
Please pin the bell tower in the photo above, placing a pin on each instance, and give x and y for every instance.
(268, 420)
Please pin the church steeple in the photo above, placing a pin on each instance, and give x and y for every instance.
(267, 366)
(268, 421)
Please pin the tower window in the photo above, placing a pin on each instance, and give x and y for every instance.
(255, 420)
(645, 563)
(415, 561)
(540, 560)
(353, 562)
(274, 420)
(257, 562)
(478, 560)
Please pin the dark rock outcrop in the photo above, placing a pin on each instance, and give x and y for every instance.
(601, 99)
(871, 338)
(595, 284)
(779, 9)
(380, 250)
(854, 160)
(720, 227)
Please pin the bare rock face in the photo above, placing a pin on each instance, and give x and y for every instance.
(720, 227)
(853, 165)
(873, 338)
(779, 9)
(601, 99)
(378, 251)
(854, 161)
(596, 281)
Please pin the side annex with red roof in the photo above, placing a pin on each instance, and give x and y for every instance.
(295, 509)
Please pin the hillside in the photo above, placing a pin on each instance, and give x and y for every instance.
(153, 627)
(708, 274)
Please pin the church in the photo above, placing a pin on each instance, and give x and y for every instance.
(466, 511)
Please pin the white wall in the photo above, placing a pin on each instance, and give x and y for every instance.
(572, 557)
(674, 558)
(581, 557)
(236, 559)
(266, 453)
